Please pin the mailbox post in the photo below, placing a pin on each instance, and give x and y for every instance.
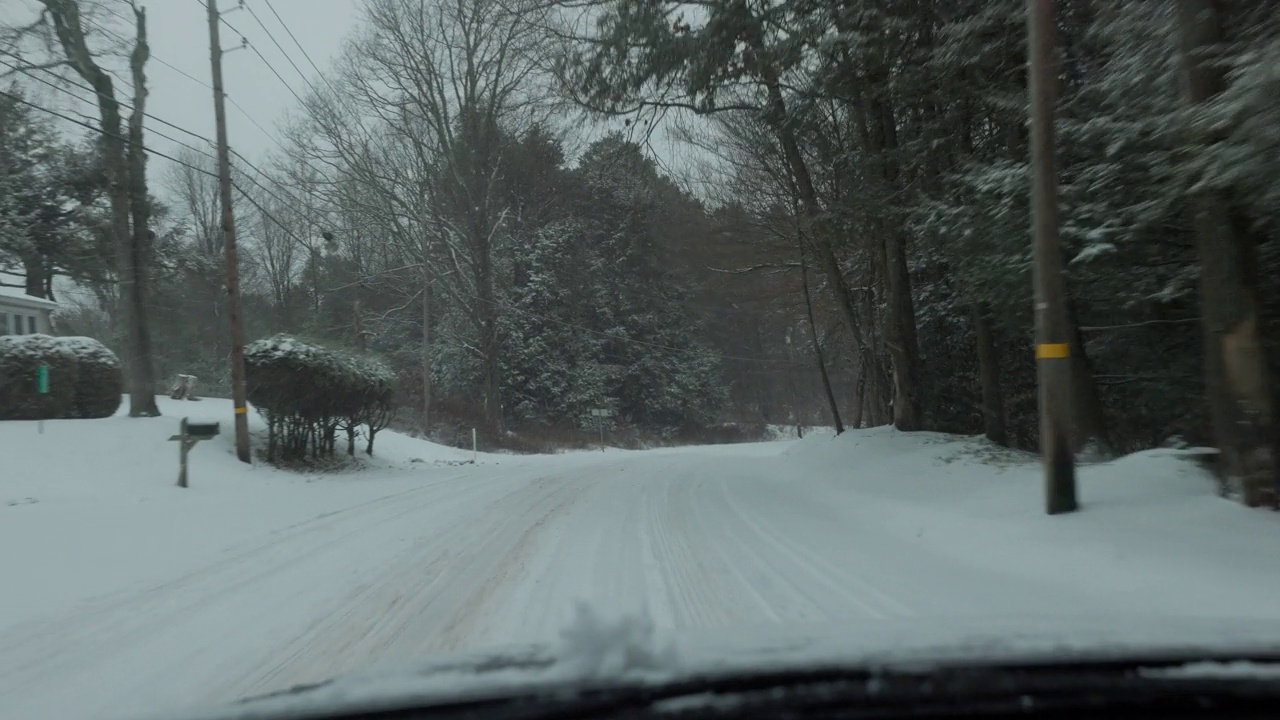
(189, 434)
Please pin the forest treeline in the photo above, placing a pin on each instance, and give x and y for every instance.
(811, 212)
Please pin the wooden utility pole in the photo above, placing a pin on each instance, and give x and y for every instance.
(1053, 349)
(229, 243)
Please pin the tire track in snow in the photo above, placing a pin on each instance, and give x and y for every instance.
(433, 597)
(836, 580)
(721, 582)
(120, 620)
(739, 550)
(691, 601)
(233, 558)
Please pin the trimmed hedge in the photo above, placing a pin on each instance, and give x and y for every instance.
(100, 384)
(20, 359)
(307, 392)
(85, 378)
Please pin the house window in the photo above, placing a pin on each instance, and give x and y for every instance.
(31, 324)
(4, 324)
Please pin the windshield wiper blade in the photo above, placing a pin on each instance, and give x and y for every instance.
(1043, 689)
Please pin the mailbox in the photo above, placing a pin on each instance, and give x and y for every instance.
(200, 431)
(189, 434)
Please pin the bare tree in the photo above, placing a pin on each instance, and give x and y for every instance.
(197, 195)
(124, 162)
(275, 253)
(428, 93)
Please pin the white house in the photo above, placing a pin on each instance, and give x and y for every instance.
(21, 314)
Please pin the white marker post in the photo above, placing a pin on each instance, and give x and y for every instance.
(475, 452)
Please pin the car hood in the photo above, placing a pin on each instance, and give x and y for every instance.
(593, 652)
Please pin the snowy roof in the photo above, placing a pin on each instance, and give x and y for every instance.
(15, 296)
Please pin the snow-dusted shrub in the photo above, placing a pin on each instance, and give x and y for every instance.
(307, 392)
(100, 381)
(20, 359)
(371, 399)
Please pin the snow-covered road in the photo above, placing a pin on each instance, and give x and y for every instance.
(472, 557)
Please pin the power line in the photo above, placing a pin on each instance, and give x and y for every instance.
(305, 54)
(293, 203)
(153, 131)
(272, 37)
(223, 20)
(122, 103)
(125, 140)
(115, 36)
(279, 77)
(251, 46)
(191, 77)
(230, 99)
(174, 68)
(268, 215)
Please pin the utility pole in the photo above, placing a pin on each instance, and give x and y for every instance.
(229, 243)
(1053, 349)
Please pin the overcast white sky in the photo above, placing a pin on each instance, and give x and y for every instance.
(179, 34)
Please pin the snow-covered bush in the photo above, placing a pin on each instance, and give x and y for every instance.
(100, 381)
(20, 359)
(307, 392)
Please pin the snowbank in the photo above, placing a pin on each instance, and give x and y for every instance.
(1150, 524)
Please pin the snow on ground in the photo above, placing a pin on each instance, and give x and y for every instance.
(121, 594)
(1151, 532)
(791, 432)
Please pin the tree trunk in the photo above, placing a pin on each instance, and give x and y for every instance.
(859, 398)
(810, 208)
(489, 345)
(426, 350)
(142, 377)
(123, 184)
(1237, 383)
(877, 396)
(993, 418)
(903, 340)
(1090, 421)
(817, 346)
(35, 281)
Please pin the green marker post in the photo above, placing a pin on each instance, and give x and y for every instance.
(42, 387)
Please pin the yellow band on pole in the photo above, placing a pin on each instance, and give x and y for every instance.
(1052, 351)
(242, 410)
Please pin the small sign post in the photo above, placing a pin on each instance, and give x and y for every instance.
(189, 434)
(42, 387)
(600, 414)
